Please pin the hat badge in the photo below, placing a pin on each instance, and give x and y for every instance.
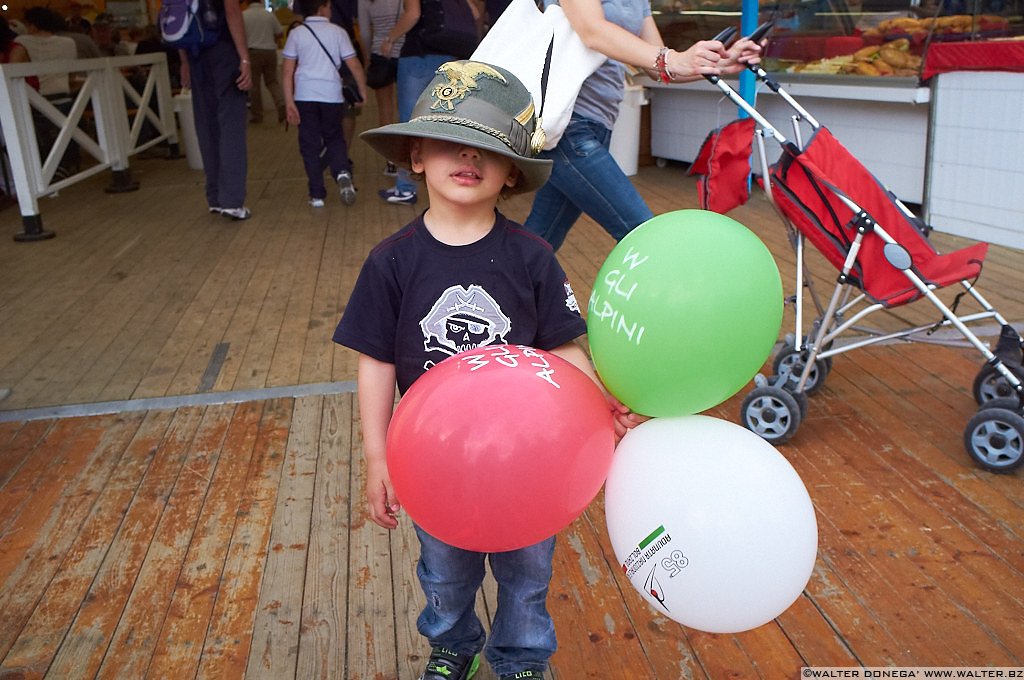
(462, 77)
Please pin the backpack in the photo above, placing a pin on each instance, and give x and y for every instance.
(189, 24)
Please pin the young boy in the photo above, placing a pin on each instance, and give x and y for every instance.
(313, 96)
(470, 138)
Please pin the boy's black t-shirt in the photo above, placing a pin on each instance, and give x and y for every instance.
(418, 301)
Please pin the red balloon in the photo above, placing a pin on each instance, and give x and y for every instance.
(499, 447)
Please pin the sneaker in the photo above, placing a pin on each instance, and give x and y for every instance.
(398, 197)
(215, 210)
(316, 203)
(237, 214)
(445, 664)
(348, 192)
(523, 675)
(390, 169)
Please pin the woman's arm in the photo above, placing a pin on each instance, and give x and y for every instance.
(376, 380)
(409, 17)
(703, 58)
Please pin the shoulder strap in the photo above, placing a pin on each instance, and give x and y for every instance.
(321, 44)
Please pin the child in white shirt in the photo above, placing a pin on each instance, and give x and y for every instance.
(313, 95)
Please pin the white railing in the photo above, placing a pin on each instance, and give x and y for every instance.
(110, 137)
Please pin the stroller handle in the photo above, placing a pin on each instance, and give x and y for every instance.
(757, 36)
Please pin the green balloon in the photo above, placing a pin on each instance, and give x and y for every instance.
(684, 312)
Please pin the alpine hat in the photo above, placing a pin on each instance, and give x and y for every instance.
(479, 104)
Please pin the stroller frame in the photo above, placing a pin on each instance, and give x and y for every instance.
(994, 436)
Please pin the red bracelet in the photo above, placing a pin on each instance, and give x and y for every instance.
(661, 65)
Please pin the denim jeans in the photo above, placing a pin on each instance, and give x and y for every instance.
(522, 633)
(585, 178)
(414, 74)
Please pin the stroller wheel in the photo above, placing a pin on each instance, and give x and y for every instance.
(989, 384)
(791, 361)
(994, 438)
(771, 413)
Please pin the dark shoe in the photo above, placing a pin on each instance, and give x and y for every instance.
(444, 664)
(398, 197)
(348, 192)
(523, 675)
(390, 169)
(237, 214)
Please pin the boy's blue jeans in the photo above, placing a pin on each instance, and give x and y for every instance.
(522, 634)
(414, 74)
(585, 178)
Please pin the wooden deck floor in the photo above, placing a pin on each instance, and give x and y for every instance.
(195, 538)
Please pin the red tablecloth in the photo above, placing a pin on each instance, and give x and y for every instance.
(993, 55)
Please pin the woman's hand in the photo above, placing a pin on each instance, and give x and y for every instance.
(741, 53)
(244, 80)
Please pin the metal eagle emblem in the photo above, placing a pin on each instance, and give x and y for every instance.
(462, 77)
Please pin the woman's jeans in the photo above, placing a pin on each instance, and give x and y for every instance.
(414, 74)
(585, 178)
(522, 633)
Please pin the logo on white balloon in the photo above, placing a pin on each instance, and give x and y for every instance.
(651, 551)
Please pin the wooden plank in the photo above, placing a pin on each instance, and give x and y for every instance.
(412, 649)
(938, 631)
(92, 630)
(137, 634)
(150, 268)
(275, 645)
(286, 362)
(45, 630)
(24, 438)
(323, 634)
(115, 373)
(259, 351)
(600, 638)
(229, 637)
(227, 292)
(318, 352)
(243, 326)
(56, 510)
(158, 380)
(199, 580)
(372, 608)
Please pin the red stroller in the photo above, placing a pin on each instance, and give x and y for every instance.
(826, 197)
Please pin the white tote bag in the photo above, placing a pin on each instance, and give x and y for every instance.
(519, 42)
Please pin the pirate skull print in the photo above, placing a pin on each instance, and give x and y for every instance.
(464, 318)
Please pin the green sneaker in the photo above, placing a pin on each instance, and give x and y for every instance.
(446, 664)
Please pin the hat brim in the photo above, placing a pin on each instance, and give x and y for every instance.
(394, 142)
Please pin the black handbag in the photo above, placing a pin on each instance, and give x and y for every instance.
(448, 27)
(381, 72)
(349, 88)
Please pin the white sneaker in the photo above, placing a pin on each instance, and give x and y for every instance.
(237, 214)
(316, 202)
(348, 191)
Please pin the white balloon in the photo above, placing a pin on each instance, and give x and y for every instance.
(710, 523)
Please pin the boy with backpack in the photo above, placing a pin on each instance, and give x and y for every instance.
(314, 97)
